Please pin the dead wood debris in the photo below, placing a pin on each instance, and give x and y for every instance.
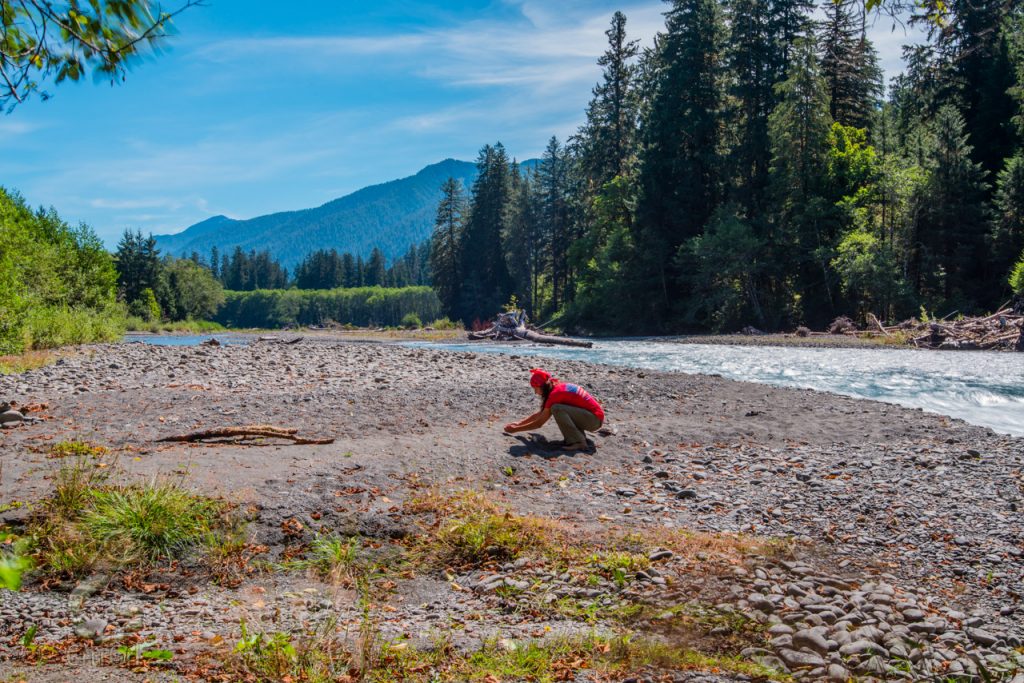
(1001, 330)
(512, 326)
(247, 432)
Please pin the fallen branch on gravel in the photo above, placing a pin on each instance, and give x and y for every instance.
(247, 431)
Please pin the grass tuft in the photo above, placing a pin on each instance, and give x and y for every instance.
(88, 523)
(469, 530)
(149, 522)
(76, 449)
(30, 360)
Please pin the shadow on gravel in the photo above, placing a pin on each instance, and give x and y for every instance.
(537, 444)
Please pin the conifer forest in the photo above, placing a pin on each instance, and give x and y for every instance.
(753, 168)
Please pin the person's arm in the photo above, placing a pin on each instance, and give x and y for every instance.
(535, 421)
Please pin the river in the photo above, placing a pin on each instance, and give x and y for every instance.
(983, 388)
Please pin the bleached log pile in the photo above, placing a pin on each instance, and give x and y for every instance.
(512, 326)
(1001, 330)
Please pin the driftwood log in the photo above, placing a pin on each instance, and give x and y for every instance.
(512, 326)
(246, 431)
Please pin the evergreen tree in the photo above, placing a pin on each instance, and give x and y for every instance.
(349, 271)
(949, 266)
(680, 164)
(138, 265)
(524, 244)
(376, 271)
(553, 195)
(974, 49)
(215, 262)
(849, 63)
(446, 245)
(753, 61)
(805, 224)
(607, 139)
(486, 283)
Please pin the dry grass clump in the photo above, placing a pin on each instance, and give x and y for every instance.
(725, 548)
(76, 448)
(30, 360)
(467, 530)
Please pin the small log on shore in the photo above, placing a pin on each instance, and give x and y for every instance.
(246, 432)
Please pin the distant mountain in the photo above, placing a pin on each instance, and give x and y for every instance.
(392, 216)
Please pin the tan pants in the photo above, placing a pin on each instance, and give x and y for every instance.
(572, 420)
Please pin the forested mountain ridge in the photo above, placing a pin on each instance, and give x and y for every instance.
(391, 216)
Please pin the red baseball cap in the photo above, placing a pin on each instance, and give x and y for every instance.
(539, 377)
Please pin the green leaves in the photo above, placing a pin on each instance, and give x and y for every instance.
(40, 41)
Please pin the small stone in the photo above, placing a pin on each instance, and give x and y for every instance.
(981, 637)
(91, 629)
(687, 494)
(838, 673)
(811, 639)
(860, 647)
(760, 602)
(800, 660)
(658, 555)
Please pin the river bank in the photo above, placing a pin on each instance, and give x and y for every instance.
(896, 535)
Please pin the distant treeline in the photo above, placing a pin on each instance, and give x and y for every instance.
(323, 269)
(746, 170)
(362, 306)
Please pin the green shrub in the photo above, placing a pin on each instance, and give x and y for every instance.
(54, 280)
(1017, 277)
(48, 327)
(411, 321)
(146, 306)
(445, 324)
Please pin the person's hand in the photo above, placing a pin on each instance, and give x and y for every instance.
(511, 427)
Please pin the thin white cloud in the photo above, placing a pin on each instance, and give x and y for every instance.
(12, 128)
(312, 46)
(132, 204)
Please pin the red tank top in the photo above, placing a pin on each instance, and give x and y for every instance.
(574, 395)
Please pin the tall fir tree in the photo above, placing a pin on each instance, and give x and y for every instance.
(138, 265)
(486, 283)
(680, 163)
(974, 47)
(553, 193)
(804, 223)
(524, 243)
(446, 245)
(849, 63)
(949, 264)
(607, 139)
(376, 269)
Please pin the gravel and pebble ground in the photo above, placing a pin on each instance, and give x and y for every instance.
(908, 538)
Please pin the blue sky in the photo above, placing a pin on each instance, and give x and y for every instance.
(257, 107)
